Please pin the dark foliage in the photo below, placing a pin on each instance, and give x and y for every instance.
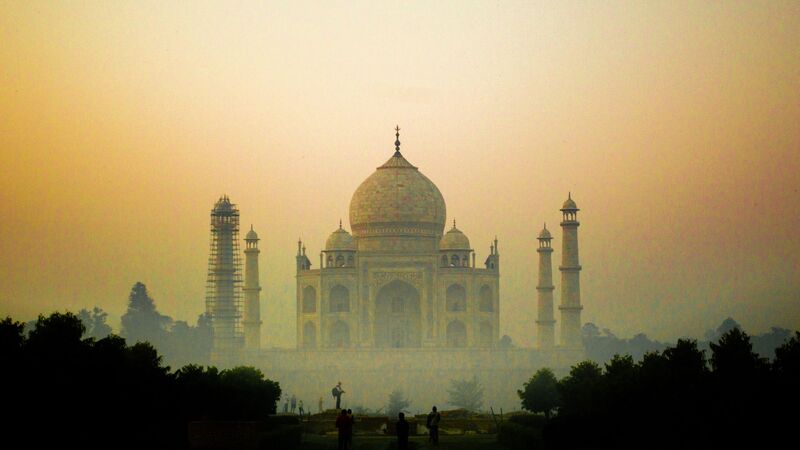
(602, 345)
(179, 342)
(466, 394)
(62, 390)
(95, 322)
(679, 397)
(540, 393)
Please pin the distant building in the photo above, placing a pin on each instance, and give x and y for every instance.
(398, 281)
(398, 301)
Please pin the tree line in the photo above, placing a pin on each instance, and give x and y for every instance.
(177, 341)
(602, 345)
(679, 396)
(62, 387)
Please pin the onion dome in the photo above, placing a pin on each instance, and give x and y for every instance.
(340, 240)
(454, 240)
(223, 205)
(251, 235)
(397, 200)
(545, 234)
(569, 205)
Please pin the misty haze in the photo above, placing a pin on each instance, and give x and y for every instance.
(491, 225)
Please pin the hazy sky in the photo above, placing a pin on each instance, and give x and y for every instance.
(676, 125)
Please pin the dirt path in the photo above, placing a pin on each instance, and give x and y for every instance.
(466, 442)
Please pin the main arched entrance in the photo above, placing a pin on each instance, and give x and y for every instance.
(398, 316)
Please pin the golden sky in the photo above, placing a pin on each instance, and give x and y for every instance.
(676, 125)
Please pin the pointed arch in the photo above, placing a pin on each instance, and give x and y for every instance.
(456, 298)
(339, 299)
(309, 299)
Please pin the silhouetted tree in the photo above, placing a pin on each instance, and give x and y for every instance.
(249, 395)
(186, 344)
(88, 393)
(765, 344)
(467, 394)
(733, 355)
(142, 321)
(95, 322)
(603, 345)
(687, 363)
(590, 331)
(397, 403)
(580, 390)
(787, 357)
(505, 342)
(12, 337)
(540, 393)
(620, 380)
(726, 325)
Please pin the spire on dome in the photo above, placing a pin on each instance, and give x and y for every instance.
(397, 141)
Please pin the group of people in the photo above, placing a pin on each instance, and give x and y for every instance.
(345, 420)
(291, 404)
(432, 423)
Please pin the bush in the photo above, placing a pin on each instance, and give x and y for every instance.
(519, 437)
(276, 421)
(529, 420)
(281, 437)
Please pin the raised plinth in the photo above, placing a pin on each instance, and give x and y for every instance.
(368, 376)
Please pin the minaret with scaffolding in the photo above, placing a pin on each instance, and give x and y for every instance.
(224, 284)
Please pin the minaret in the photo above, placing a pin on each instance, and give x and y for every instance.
(570, 277)
(545, 336)
(252, 293)
(223, 288)
(493, 260)
(303, 263)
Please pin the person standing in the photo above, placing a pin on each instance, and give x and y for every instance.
(337, 392)
(320, 404)
(300, 407)
(343, 424)
(402, 432)
(433, 426)
(294, 403)
(352, 421)
(286, 407)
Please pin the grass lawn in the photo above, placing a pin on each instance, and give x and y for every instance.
(465, 442)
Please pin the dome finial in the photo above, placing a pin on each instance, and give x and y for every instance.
(397, 141)
(340, 224)
(454, 223)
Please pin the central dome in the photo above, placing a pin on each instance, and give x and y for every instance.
(397, 200)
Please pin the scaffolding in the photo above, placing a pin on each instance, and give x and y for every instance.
(224, 283)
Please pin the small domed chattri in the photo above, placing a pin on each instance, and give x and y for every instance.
(340, 239)
(454, 240)
(545, 233)
(223, 205)
(569, 204)
(251, 235)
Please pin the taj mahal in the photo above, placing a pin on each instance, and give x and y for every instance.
(397, 302)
